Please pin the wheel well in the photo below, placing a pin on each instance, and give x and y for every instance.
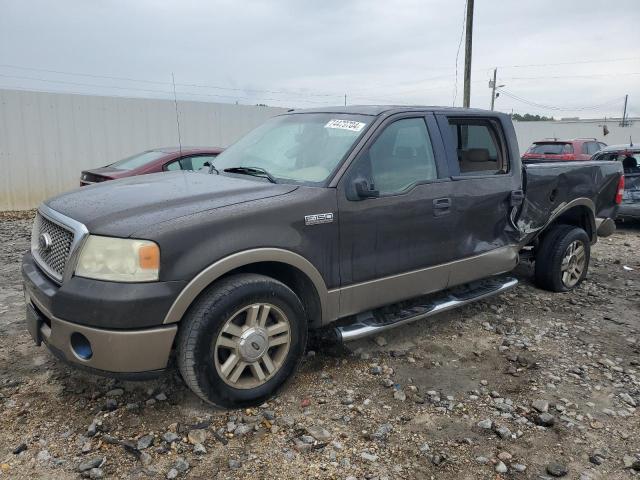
(293, 278)
(580, 216)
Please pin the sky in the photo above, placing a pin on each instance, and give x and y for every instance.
(564, 58)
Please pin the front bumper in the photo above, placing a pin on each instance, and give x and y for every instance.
(120, 324)
(117, 351)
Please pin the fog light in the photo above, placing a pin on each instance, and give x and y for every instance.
(81, 346)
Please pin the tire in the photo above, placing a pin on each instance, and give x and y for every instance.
(550, 271)
(227, 326)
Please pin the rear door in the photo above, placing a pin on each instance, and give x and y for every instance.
(485, 192)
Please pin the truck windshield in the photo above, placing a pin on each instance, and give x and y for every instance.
(303, 148)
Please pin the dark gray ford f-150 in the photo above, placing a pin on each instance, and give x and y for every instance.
(361, 217)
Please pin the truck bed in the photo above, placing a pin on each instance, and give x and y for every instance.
(552, 186)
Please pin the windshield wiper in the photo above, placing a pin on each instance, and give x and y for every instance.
(254, 171)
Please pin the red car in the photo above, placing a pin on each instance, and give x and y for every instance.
(153, 161)
(554, 149)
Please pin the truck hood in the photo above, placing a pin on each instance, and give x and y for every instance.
(121, 207)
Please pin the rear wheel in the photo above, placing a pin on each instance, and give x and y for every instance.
(241, 340)
(562, 261)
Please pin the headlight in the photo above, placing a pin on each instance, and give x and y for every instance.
(119, 259)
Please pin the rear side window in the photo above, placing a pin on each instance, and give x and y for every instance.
(550, 148)
(478, 146)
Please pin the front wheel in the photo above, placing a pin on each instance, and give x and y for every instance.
(241, 340)
(562, 260)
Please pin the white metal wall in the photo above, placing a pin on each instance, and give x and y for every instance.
(46, 139)
(529, 132)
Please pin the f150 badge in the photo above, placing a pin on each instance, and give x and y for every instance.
(318, 218)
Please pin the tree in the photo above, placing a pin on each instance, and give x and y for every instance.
(527, 117)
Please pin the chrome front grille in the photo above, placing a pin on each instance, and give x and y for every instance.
(51, 246)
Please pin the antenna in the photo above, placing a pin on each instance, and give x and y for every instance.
(175, 102)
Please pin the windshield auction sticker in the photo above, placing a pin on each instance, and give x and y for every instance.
(345, 125)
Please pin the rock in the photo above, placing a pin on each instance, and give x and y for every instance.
(269, 415)
(96, 473)
(400, 395)
(505, 456)
(170, 437)
(482, 460)
(628, 460)
(557, 469)
(234, 464)
(501, 467)
(43, 456)
(503, 432)
(110, 404)
(144, 442)
(145, 459)
(486, 424)
(95, 462)
(19, 449)
(380, 341)
(519, 467)
(173, 473)
(181, 465)
(197, 436)
(540, 405)
(375, 370)
(383, 432)
(199, 449)
(161, 397)
(319, 433)
(92, 429)
(626, 398)
(242, 429)
(116, 392)
(545, 420)
(369, 457)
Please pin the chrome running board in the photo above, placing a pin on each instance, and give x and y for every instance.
(374, 322)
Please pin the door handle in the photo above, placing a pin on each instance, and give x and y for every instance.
(441, 206)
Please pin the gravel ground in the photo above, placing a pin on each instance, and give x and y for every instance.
(526, 385)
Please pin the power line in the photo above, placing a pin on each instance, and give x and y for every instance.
(157, 82)
(514, 96)
(166, 92)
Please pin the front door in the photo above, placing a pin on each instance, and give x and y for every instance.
(393, 245)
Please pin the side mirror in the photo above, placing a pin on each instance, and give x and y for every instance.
(364, 189)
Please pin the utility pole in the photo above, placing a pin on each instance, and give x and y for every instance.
(624, 111)
(467, 55)
(493, 88)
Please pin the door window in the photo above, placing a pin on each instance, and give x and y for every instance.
(400, 157)
(478, 147)
(198, 162)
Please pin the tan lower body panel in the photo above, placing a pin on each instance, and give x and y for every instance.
(364, 296)
(118, 351)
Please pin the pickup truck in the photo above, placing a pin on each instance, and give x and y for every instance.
(351, 220)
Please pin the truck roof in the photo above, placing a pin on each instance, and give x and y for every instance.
(375, 110)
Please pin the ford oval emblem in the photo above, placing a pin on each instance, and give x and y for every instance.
(45, 242)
